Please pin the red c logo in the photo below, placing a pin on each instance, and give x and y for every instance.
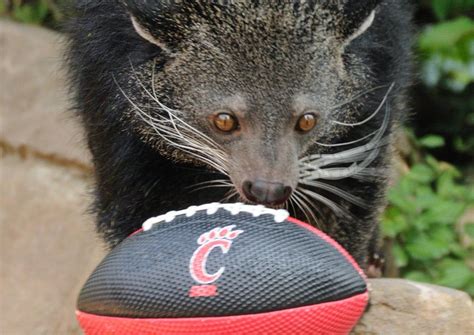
(199, 259)
(216, 238)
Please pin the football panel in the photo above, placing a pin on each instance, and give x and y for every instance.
(270, 266)
(336, 317)
(332, 242)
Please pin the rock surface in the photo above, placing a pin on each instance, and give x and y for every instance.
(47, 246)
(404, 307)
(33, 94)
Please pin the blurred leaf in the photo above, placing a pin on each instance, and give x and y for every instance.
(422, 248)
(469, 229)
(405, 203)
(454, 273)
(393, 223)
(425, 197)
(401, 258)
(34, 12)
(418, 276)
(443, 234)
(445, 8)
(464, 145)
(447, 187)
(432, 141)
(421, 173)
(425, 220)
(447, 51)
(445, 211)
(441, 8)
(432, 162)
(445, 35)
(459, 251)
(3, 7)
(470, 287)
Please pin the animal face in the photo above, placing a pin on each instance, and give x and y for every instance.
(263, 93)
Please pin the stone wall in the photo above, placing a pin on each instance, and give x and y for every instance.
(48, 246)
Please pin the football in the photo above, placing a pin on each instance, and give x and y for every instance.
(224, 269)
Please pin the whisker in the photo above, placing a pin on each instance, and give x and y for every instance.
(232, 193)
(173, 113)
(209, 187)
(337, 191)
(315, 172)
(357, 96)
(307, 204)
(172, 135)
(372, 115)
(349, 156)
(346, 143)
(377, 141)
(339, 211)
(300, 204)
(368, 174)
(214, 181)
(290, 203)
(218, 183)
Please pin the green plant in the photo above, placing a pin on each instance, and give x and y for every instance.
(443, 9)
(447, 51)
(34, 12)
(3, 8)
(444, 99)
(422, 221)
(44, 12)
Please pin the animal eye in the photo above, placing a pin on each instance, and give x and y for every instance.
(306, 122)
(226, 122)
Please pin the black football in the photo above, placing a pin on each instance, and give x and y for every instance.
(224, 269)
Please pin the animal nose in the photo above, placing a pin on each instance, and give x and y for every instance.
(265, 192)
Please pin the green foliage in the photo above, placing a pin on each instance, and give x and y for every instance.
(35, 12)
(448, 54)
(44, 12)
(432, 141)
(445, 51)
(3, 8)
(423, 221)
(465, 144)
(444, 9)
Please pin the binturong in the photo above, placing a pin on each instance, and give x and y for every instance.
(287, 104)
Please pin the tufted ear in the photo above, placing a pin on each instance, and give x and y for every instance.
(358, 17)
(159, 22)
(147, 35)
(167, 23)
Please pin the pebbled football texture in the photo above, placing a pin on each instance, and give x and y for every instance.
(288, 270)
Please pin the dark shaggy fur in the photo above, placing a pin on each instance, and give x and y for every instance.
(265, 61)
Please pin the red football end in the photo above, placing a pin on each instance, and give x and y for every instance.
(336, 317)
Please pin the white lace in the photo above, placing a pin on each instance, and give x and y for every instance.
(279, 215)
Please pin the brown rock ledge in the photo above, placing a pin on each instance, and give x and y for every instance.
(403, 307)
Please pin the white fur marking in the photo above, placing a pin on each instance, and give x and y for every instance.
(146, 34)
(363, 28)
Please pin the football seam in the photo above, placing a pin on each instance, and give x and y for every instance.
(279, 215)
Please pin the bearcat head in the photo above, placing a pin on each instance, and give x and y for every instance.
(274, 95)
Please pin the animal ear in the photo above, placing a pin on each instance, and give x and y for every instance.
(358, 17)
(146, 33)
(158, 22)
